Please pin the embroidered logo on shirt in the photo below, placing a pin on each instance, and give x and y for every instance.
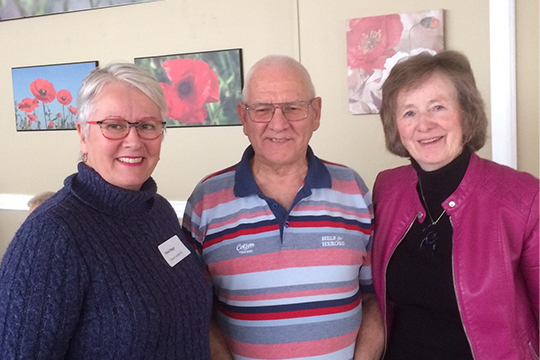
(332, 241)
(245, 248)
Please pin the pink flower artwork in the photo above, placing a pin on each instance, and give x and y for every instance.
(375, 44)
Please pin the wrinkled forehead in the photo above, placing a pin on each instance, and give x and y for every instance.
(422, 80)
(272, 81)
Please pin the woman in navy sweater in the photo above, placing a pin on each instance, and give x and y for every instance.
(101, 269)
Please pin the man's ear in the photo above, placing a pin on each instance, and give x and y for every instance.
(316, 106)
(242, 115)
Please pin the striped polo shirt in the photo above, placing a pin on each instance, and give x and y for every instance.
(288, 283)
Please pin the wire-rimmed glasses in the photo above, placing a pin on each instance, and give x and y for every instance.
(292, 111)
(116, 129)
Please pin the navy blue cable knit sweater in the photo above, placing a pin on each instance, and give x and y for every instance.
(84, 279)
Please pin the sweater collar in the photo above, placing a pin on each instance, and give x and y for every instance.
(89, 187)
(441, 183)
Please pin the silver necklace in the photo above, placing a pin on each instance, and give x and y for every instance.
(427, 208)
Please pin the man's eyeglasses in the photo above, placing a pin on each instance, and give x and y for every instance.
(116, 129)
(292, 111)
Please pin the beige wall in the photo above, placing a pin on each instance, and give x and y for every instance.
(528, 79)
(312, 30)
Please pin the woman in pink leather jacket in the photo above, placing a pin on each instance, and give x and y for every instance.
(455, 250)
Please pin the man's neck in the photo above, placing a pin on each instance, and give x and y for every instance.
(280, 183)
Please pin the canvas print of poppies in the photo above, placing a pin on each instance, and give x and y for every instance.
(375, 44)
(46, 96)
(201, 89)
(16, 9)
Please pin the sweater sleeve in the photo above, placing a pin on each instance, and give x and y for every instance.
(41, 292)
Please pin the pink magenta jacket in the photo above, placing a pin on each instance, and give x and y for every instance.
(494, 214)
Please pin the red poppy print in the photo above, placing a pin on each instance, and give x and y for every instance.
(43, 90)
(72, 110)
(193, 84)
(371, 40)
(51, 125)
(31, 117)
(27, 105)
(64, 97)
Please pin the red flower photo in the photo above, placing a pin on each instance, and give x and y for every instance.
(201, 88)
(43, 90)
(64, 97)
(371, 41)
(194, 84)
(38, 104)
(375, 44)
(27, 105)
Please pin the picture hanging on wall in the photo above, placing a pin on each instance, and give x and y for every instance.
(46, 96)
(16, 9)
(201, 89)
(375, 44)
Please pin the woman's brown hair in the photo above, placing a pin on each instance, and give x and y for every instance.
(412, 73)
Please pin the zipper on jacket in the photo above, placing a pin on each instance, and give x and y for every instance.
(455, 292)
(385, 270)
(533, 352)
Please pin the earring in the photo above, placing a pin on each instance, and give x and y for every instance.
(84, 158)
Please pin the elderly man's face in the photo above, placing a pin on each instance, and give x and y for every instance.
(279, 143)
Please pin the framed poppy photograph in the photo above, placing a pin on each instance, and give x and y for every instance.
(46, 96)
(376, 43)
(17, 9)
(201, 89)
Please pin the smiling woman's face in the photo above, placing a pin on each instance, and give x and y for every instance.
(428, 119)
(128, 162)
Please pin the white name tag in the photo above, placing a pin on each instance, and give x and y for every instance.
(173, 250)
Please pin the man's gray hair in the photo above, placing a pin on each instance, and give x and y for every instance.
(279, 61)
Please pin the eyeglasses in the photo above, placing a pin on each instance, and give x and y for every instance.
(292, 111)
(116, 129)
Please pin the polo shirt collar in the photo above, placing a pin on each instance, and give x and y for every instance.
(317, 177)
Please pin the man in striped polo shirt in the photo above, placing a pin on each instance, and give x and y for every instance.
(285, 236)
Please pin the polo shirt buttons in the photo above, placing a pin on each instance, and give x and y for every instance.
(286, 224)
(274, 205)
(452, 204)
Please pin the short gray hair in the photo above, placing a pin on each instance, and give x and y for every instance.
(125, 72)
(279, 61)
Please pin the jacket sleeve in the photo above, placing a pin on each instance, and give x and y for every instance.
(529, 257)
(41, 293)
